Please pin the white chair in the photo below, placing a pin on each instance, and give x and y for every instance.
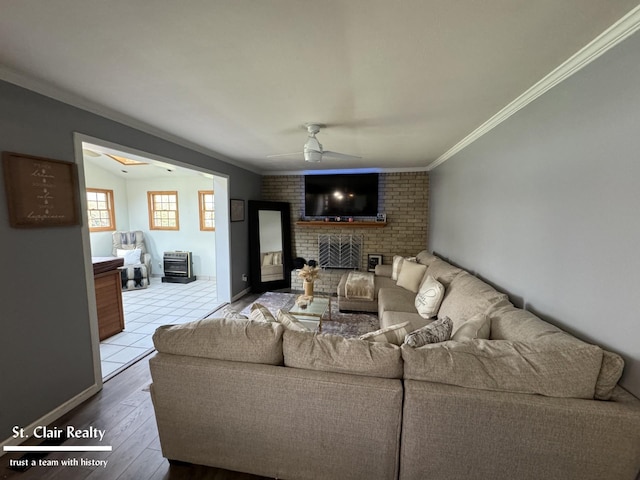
(136, 272)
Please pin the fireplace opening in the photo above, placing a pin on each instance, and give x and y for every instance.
(340, 251)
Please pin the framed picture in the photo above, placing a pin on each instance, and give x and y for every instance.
(237, 210)
(41, 192)
(373, 259)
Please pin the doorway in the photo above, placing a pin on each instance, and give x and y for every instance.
(129, 175)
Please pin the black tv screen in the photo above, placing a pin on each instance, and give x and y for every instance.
(344, 195)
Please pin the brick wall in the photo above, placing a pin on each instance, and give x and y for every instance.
(404, 197)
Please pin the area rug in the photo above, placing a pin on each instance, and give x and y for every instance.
(343, 324)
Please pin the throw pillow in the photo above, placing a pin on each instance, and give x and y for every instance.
(131, 257)
(232, 314)
(290, 322)
(411, 275)
(267, 259)
(429, 297)
(478, 326)
(260, 313)
(397, 265)
(394, 334)
(436, 332)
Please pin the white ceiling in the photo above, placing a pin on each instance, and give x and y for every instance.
(398, 82)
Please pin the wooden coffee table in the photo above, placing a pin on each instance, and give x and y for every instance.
(312, 315)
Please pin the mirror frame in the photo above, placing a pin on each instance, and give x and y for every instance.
(255, 206)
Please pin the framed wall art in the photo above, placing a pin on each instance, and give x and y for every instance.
(237, 210)
(373, 259)
(41, 192)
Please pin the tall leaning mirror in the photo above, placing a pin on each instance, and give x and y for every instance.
(269, 245)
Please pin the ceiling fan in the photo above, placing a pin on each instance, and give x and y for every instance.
(313, 151)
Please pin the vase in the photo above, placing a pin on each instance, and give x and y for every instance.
(308, 288)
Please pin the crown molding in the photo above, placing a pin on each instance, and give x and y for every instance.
(344, 170)
(608, 39)
(82, 103)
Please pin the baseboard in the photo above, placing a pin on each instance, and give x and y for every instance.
(238, 296)
(52, 416)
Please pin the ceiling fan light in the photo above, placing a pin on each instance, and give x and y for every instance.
(312, 156)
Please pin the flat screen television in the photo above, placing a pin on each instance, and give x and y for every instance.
(343, 195)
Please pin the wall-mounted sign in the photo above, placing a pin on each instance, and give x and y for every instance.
(40, 192)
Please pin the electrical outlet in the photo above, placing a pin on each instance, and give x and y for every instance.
(244, 277)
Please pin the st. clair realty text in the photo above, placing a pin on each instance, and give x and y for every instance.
(56, 432)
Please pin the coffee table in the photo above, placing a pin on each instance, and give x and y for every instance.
(312, 315)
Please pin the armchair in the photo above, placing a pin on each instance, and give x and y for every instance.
(136, 272)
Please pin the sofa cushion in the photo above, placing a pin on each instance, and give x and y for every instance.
(443, 271)
(610, 373)
(393, 334)
(290, 322)
(231, 314)
(396, 299)
(501, 365)
(425, 257)
(429, 297)
(260, 313)
(393, 318)
(332, 353)
(467, 296)
(478, 326)
(436, 332)
(223, 339)
(384, 270)
(411, 275)
(511, 323)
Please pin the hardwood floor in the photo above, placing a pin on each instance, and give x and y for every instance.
(124, 409)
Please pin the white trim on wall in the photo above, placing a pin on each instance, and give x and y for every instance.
(611, 37)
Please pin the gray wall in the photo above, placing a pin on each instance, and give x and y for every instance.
(546, 206)
(45, 346)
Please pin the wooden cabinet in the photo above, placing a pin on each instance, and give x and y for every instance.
(108, 300)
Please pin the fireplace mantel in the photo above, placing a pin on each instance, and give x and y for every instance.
(355, 224)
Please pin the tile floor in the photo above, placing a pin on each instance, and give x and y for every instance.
(147, 309)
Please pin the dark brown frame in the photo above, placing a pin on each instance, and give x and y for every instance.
(41, 192)
(236, 210)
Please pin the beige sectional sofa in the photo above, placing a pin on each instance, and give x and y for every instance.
(529, 402)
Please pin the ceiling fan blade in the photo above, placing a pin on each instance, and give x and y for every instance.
(341, 156)
(284, 154)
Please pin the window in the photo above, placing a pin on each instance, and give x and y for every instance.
(100, 209)
(163, 210)
(207, 214)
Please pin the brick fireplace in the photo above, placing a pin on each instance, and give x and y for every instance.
(404, 197)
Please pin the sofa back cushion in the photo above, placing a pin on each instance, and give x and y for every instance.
(425, 257)
(332, 353)
(478, 326)
(501, 365)
(468, 296)
(223, 339)
(515, 324)
(442, 271)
